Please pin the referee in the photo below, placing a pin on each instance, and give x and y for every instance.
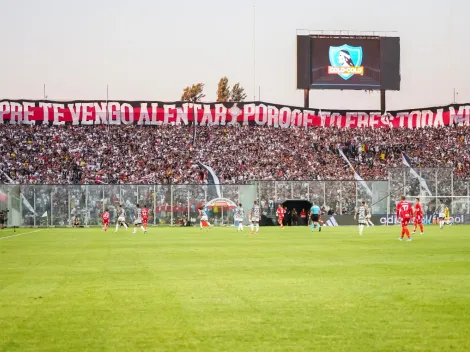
(315, 216)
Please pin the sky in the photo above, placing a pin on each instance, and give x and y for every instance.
(152, 49)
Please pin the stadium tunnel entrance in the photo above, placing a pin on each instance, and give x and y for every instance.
(298, 205)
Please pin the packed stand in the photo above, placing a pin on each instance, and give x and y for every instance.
(167, 155)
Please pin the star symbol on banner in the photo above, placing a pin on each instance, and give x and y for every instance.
(235, 111)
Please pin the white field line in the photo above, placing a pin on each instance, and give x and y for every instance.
(20, 234)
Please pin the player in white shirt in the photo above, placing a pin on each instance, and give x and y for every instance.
(138, 219)
(121, 220)
(255, 216)
(368, 216)
(203, 217)
(361, 216)
(441, 210)
(239, 215)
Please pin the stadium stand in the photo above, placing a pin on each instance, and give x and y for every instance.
(166, 154)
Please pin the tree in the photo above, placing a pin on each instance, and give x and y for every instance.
(223, 90)
(194, 93)
(237, 93)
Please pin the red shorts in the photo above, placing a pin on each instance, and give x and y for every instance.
(106, 222)
(145, 221)
(418, 220)
(405, 221)
(280, 219)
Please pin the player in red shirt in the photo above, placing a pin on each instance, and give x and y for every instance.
(405, 213)
(418, 216)
(105, 219)
(280, 215)
(145, 217)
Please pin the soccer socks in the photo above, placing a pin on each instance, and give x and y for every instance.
(252, 226)
(407, 232)
(257, 227)
(143, 228)
(313, 227)
(421, 227)
(361, 229)
(200, 224)
(117, 227)
(240, 226)
(441, 224)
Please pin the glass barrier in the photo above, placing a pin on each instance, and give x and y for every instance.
(54, 205)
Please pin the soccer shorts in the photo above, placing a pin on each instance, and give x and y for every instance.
(255, 219)
(105, 222)
(280, 219)
(204, 218)
(418, 220)
(121, 219)
(441, 216)
(145, 221)
(405, 222)
(315, 217)
(138, 221)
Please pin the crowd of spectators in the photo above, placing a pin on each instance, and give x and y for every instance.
(238, 154)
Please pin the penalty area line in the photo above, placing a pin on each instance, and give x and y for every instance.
(20, 234)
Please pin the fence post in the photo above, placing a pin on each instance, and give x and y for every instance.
(86, 206)
(21, 206)
(276, 199)
(340, 199)
(452, 192)
(308, 191)
(34, 206)
(171, 204)
(357, 198)
(388, 199)
(69, 215)
(420, 178)
(404, 183)
(468, 197)
(189, 212)
(52, 207)
(154, 205)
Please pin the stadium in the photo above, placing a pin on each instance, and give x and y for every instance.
(235, 224)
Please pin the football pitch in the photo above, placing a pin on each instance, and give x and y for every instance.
(182, 289)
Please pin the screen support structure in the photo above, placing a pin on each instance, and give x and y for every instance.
(383, 106)
(306, 98)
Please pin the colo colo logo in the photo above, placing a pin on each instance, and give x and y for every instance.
(345, 61)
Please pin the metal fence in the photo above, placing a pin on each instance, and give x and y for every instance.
(58, 205)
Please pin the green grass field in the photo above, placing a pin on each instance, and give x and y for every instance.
(178, 289)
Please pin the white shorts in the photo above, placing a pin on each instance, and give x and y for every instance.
(121, 219)
(138, 221)
(204, 218)
(441, 215)
(255, 219)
